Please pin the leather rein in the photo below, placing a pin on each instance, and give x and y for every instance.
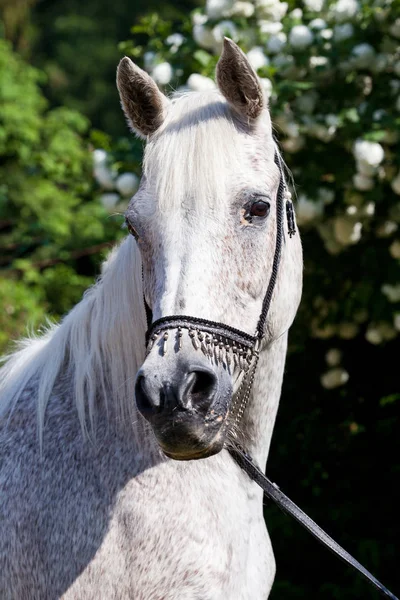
(240, 351)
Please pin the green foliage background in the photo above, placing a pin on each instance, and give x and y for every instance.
(335, 448)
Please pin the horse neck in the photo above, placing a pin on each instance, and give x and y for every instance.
(259, 419)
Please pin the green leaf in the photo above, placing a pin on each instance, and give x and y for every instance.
(202, 57)
(375, 136)
(389, 399)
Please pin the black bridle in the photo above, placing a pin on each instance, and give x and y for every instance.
(241, 351)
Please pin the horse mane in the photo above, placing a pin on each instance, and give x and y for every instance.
(99, 345)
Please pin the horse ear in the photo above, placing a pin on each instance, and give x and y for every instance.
(238, 81)
(141, 100)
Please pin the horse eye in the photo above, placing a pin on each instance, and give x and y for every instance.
(132, 230)
(259, 209)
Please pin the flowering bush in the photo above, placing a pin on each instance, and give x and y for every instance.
(332, 73)
(51, 224)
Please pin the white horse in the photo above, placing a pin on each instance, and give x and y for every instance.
(91, 507)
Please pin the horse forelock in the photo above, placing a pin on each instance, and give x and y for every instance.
(99, 344)
(197, 150)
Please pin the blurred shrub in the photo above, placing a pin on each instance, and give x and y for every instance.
(331, 72)
(51, 221)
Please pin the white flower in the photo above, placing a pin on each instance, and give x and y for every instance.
(199, 83)
(348, 331)
(327, 34)
(396, 184)
(392, 292)
(242, 9)
(104, 176)
(109, 200)
(394, 249)
(343, 32)
(363, 56)
(306, 102)
(314, 5)
(332, 120)
(396, 68)
(271, 9)
(333, 357)
(373, 335)
(346, 231)
(388, 331)
(394, 29)
(379, 63)
(380, 332)
(199, 18)
(386, 229)
(321, 132)
(162, 73)
(266, 85)
(292, 129)
(99, 157)
(224, 28)
(203, 36)
(362, 182)
(296, 13)
(395, 86)
(351, 210)
(294, 144)
(175, 39)
(300, 37)
(307, 210)
(317, 24)
(270, 27)
(344, 10)
(257, 58)
(365, 169)
(318, 61)
(325, 195)
(323, 332)
(369, 209)
(334, 378)
(276, 42)
(367, 152)
(216, 9)
(286, 125)
(149, 59)
(283, 61)
(127, 184)
(352, 197)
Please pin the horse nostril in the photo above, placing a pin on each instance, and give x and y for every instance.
(146, 402)
(204, 384)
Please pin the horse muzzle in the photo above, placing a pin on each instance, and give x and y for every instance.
(187, 403)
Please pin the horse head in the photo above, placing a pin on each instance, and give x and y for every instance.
(211, 236)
